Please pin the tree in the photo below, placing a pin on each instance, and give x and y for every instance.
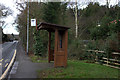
(53, 12)
(75, 10)
(4, 11)
(101, 32)
(108, 3)
(43, 12)
(35, 12)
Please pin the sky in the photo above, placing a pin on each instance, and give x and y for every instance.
(9, 29)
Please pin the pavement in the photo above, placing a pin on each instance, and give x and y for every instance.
(24, 67)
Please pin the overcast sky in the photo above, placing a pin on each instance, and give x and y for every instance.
(9, 29)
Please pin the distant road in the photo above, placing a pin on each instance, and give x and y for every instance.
(8, 49)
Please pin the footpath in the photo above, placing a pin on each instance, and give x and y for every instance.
(24, 67)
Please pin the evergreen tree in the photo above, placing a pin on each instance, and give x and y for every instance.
(53, 12)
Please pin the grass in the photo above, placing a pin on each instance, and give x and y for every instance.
(80, 69)
(38, 59)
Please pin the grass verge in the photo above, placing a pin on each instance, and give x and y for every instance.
(80, 69)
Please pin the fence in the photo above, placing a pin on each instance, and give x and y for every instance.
(115, 63)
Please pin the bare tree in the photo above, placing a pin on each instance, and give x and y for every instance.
(21, 6)
(76, 19)
(5, 11)
(74, 6)
(108, 3)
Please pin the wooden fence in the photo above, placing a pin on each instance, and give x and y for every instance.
(115, 63)
(111, 62)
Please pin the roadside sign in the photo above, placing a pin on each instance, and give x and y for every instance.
(33, 22)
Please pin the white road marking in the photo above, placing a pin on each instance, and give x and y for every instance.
(6, 65)
(6, 60)
(0, 64)
(1, 60)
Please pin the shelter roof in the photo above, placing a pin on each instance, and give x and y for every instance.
(50, 27)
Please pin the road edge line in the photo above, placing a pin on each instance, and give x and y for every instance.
(9, 66)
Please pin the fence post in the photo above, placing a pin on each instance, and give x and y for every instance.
(96, 55)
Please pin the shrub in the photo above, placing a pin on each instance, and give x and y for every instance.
(76, 49)
(41, 42)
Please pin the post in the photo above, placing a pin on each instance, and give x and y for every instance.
(28, 28)
(0, 48)
(56, 48)
(49, 46)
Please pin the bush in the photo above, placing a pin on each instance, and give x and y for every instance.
(95, 45)
(112, 44)
(109, 45)
(41, 42)
(76, 49)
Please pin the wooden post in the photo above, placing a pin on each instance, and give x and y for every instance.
(49, 47)
(56, 48)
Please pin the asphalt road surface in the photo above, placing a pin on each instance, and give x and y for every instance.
(8, 50)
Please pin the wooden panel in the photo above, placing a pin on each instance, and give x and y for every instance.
(60, 53)
(60, 61)
(60, 57)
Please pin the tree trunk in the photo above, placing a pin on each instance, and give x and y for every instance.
(76, 22)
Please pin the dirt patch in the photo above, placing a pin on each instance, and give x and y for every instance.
(45, 73)
(89, 61)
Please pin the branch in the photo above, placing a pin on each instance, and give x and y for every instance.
(5, 11)
(21, 6)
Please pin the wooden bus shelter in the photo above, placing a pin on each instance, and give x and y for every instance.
(59, 54)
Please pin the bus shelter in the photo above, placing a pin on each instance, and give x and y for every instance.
(59, 54)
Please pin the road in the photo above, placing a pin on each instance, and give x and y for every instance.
(8, 49)
(23, 67)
